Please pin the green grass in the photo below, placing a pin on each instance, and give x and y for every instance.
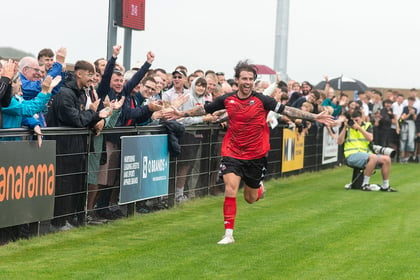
(307, 227)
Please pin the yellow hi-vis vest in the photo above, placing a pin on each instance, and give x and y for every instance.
(356, 142)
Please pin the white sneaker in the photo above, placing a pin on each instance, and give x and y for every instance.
(67, 226)
(227, 239)
(181, 199)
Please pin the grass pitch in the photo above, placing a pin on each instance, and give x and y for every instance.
(307, 227)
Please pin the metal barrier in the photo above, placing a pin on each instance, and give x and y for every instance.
(202, 180)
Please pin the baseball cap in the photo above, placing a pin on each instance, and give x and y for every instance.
(178, 71)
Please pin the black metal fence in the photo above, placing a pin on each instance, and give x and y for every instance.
(201, 178)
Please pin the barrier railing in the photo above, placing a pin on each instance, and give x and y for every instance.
(201, 180)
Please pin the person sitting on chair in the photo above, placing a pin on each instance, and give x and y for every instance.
(357, 136)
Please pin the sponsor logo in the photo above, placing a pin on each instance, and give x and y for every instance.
(29, 181)
(153, 165)
(145, 167)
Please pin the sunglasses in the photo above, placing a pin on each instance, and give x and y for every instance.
(177, 77)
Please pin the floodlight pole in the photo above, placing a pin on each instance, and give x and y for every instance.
(112, 36)
(281, 38)
(127, 48)
(112, 30)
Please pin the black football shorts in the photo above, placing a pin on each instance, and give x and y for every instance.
(251, 171)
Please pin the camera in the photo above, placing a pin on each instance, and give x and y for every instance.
(383, 150)
(350, 122)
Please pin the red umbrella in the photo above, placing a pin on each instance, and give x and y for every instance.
(264, 70)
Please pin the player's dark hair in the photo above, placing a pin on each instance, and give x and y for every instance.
(243, 65)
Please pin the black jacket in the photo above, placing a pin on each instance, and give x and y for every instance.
(175, 131)
(139, 114)
(68, 110)
(5, 95)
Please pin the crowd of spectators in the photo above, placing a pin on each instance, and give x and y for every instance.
(36, 93)
(393, 115)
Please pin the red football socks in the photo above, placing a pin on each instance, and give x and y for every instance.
(229, 212)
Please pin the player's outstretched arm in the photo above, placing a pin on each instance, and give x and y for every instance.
(173, 113)
(299, 114)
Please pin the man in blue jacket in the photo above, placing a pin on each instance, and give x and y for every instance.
(20, 108)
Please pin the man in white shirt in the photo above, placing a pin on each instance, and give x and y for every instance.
(178, 77)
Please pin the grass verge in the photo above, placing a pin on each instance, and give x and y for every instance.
(307, 227)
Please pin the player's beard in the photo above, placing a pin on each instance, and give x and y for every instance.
(245, 89)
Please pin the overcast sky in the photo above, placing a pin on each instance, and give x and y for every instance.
(376, 41)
